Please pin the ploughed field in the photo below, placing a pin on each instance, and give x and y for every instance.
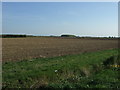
(14, 49)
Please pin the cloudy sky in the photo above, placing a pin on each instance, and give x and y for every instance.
(56, 18)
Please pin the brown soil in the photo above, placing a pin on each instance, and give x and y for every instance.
(14, 49)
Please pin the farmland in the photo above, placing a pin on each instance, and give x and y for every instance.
(60, 45)
(54, 62)
(41, 47)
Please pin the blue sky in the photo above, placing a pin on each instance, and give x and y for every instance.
(0, 17)
(56, 18)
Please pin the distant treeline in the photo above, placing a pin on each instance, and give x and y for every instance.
(73, 36)
(68, 36)
(12, 36)
(62, 36)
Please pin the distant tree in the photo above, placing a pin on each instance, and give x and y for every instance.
(65, 35)
(12, 36)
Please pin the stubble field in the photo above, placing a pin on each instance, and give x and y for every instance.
(15, 49)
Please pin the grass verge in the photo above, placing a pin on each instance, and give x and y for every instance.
(87, 70)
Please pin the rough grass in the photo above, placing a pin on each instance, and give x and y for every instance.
(86, 70)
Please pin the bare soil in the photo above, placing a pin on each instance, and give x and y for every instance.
(14, 49)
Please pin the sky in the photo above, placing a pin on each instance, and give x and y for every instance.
(56, 18)
(0, 17)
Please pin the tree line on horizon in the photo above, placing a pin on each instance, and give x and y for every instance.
(63, 35)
